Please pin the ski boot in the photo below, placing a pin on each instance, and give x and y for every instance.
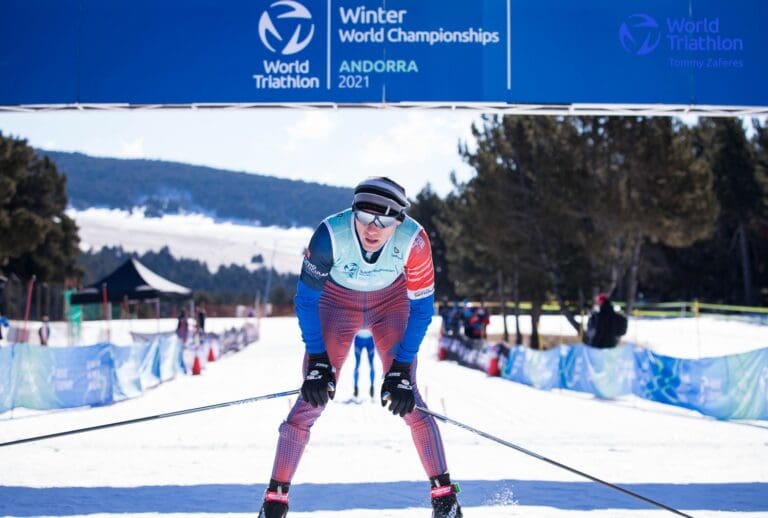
(371, 392)
(444, 502)
(356, 392)
(275, 501)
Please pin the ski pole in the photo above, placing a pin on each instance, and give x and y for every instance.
(545, 459)
(151, 417)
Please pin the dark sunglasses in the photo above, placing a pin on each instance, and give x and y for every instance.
(381, 221)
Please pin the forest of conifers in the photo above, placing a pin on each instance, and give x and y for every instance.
(561, 208)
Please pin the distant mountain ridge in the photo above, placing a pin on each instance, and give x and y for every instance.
(172, 187)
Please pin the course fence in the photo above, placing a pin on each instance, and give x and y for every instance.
(46, 378)
(674, 309)
(727, 387)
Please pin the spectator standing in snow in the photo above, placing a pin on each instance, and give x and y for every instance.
(182, 328)
(367, 267)
(479, 321)
(44, 333)
(605, 327)
(201, 319)
(453, 319)
(466, 318)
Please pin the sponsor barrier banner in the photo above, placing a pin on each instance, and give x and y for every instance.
(552, 52)
(6, 378)
(606, 373)
(729, 387)
(168, 358)
(538, 369)
(51, 377)
(43, 378)
(726, 387)
(128, 361)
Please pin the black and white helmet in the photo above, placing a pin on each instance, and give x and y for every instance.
(381, 195)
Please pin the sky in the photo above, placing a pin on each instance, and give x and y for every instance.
(335, 147)
(360, 462)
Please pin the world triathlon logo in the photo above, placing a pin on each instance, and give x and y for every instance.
(286, 27)
(639, 34)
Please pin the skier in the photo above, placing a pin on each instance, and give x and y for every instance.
(363, 340)
(367, 267)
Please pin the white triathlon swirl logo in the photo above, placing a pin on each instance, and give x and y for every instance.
(300, 24)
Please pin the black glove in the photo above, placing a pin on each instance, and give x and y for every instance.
(320, 381)
(398, 390)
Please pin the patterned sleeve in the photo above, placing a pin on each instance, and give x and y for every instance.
(420, 282)
(318, 258)
(419, 270)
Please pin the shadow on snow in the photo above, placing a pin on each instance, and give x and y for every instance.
(242, 498)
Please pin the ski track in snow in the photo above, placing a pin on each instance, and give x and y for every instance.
(361, 463)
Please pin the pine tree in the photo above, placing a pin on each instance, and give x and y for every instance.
(760, 240)
(512, 216)
(38, 237)
(739, 194)
(658, 189)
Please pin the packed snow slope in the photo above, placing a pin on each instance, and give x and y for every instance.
(361, 463)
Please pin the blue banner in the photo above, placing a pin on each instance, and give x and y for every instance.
(128, 361)
(43, 378)
(6, 378)
(606, 373)
(551, 52)
(49, 377)
(726, 387)
(730, 387)
(169, 361)
(538, 369)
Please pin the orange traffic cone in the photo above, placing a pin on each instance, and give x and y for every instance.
(493, 367)
(211, 354)
(196, 367)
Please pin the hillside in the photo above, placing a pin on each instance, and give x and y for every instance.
(171, 188)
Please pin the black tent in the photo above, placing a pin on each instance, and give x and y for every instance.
(134, 281)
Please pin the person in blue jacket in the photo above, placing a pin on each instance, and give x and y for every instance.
(363, 340)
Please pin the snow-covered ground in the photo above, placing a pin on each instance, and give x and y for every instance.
(193, 236)
(361, 463)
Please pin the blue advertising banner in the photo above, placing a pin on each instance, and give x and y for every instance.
(606, 373)
(43, 378)
(128, 360)
(142, 366)
(6, 378)
(730, 387)
(169, 359)
(149, 365)
(48, 377)
(676, 51)
(540, 369)
(726, 387)
(499, 52)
